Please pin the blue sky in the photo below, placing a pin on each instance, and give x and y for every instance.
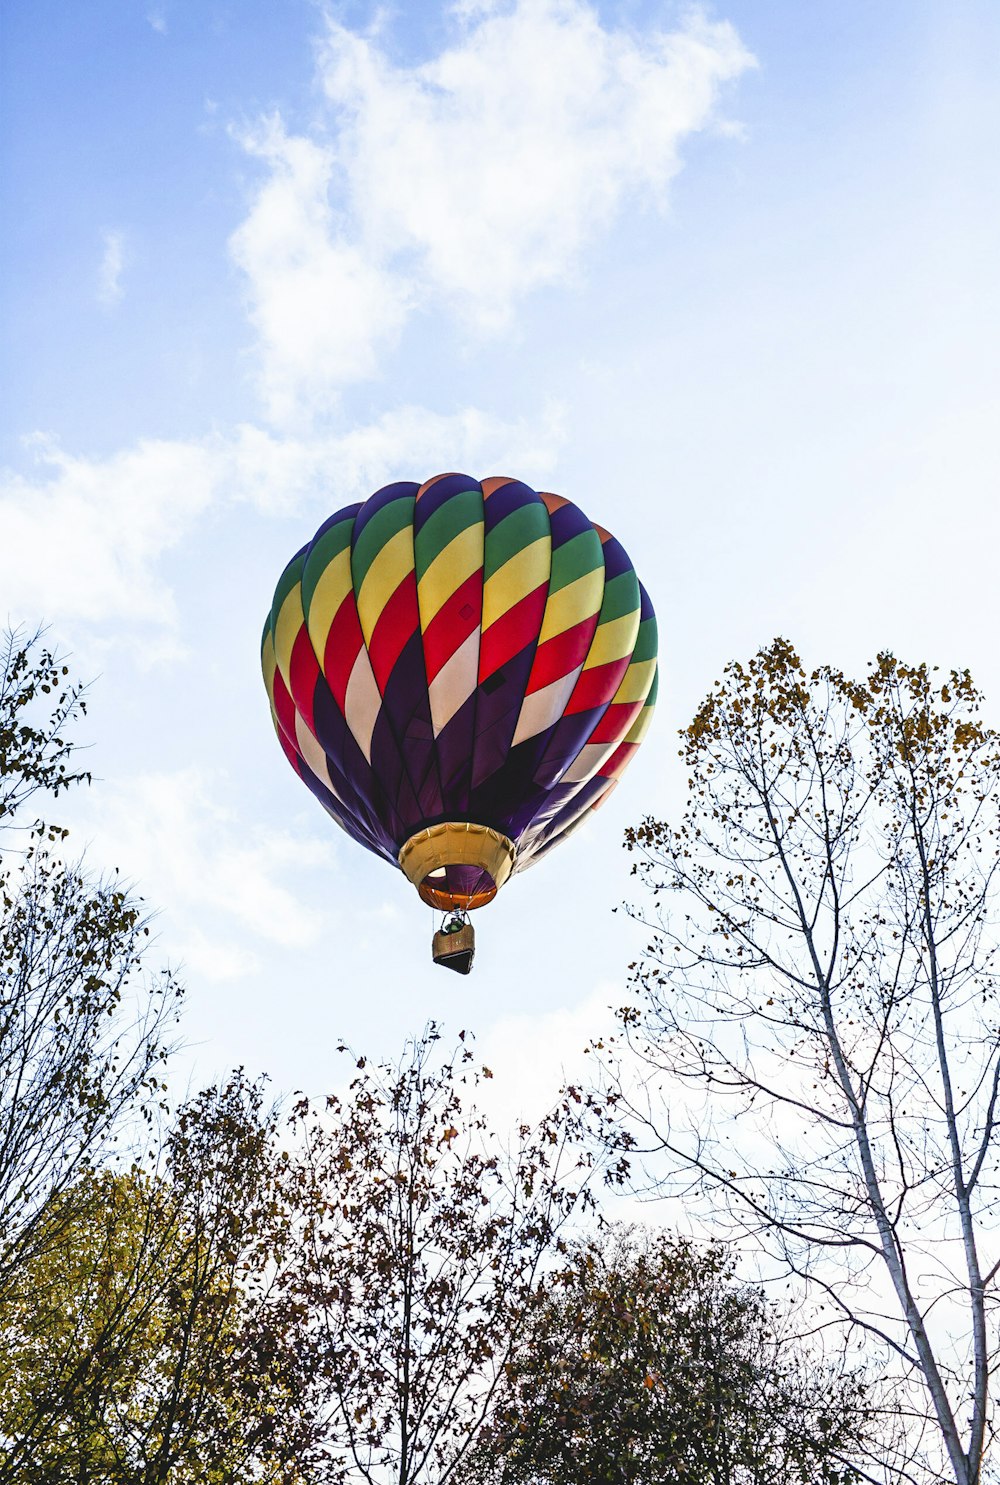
(724, 277)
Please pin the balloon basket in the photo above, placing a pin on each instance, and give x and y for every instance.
(455, 947)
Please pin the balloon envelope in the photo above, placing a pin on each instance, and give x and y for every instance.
(460, 654)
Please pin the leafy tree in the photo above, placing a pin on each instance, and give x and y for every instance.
(38, 701)
(139, 1341)
(645, 1361)
(422, 1239)
(82, 1023)
(142, 1345)
(817, 1015)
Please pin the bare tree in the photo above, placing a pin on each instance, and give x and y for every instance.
(817, 1020)
(422, 1239)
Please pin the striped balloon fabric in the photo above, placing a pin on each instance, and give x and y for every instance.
(462, 652)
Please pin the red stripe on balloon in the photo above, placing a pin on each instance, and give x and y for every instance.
(284, 708)
(303, 673)
(429, 484)
(343, 644)
(619, 761)
(495, 482)
(616, 722)
(596, 687)
(513, 630)
(394, 626)
(561, 654)
(552, 502)
(454, 621)
(291, 754)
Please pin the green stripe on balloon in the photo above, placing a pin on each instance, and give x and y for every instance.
(575, 558)
(447, 522)
(645, 643)
(380, 530)
(515, 532)
(621, 596)
(322, 552)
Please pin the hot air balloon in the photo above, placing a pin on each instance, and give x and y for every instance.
(460, 671)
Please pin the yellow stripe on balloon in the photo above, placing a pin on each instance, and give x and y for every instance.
(640, 726)
(286, 629)
(520, 575)
(382, 579)
(329, 593)
(635, 682)
(450, 569)
(269, 665)
(568, 606)
(613, 641)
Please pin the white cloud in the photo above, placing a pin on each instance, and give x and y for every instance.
(534, 1056)
(279, 474)
(84, 538)
(473, 178)
(321, 307)
(501, 158)
(109, 284)
(221, 889)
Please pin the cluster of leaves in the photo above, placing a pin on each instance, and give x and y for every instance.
(420, 1240)
(38, 704)
(143, 1344)
(645, 1361)
(82, 1025)
(136, 1338)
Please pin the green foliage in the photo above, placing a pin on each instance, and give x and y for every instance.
(82, 1023)
(141, 1343)
(38, 701)
(644, 1361)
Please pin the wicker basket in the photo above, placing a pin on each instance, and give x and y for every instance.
(455, 950)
